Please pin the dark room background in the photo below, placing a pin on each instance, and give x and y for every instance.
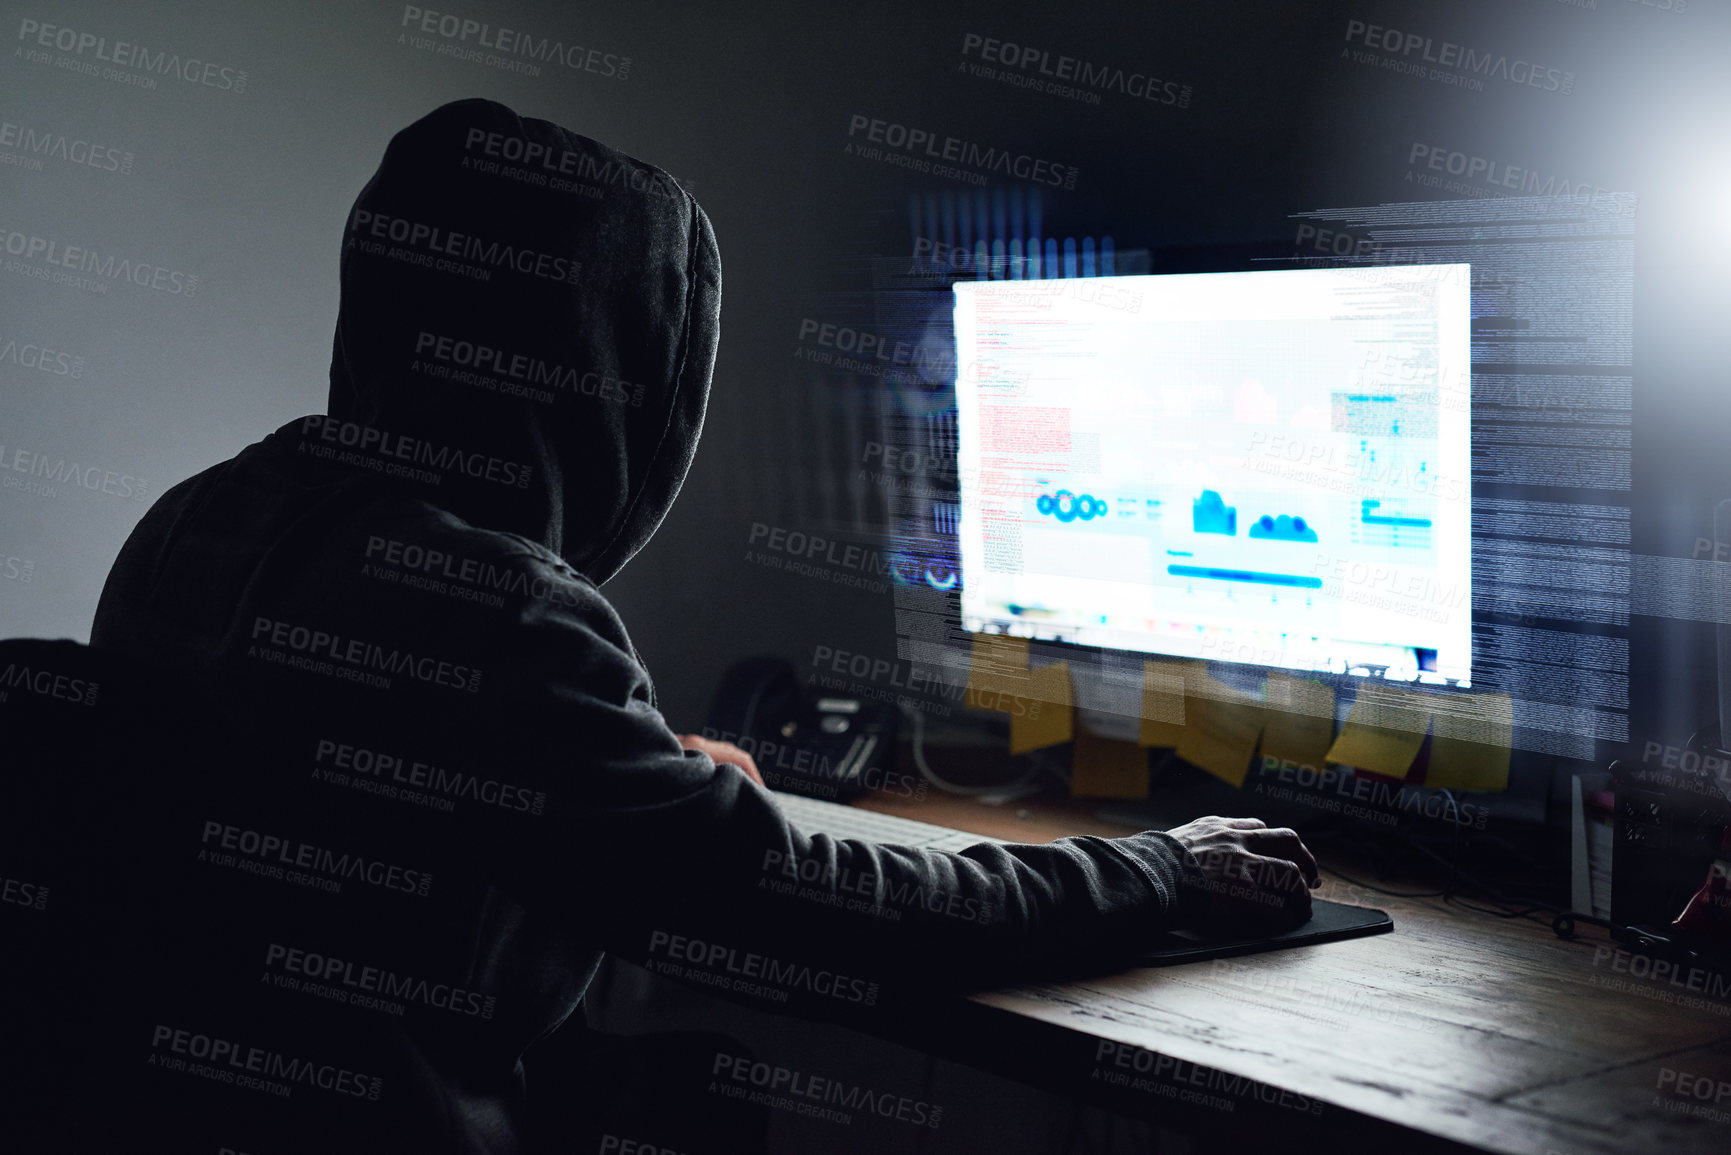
(215, 148)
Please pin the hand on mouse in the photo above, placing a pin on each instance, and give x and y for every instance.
(1257, 877)
(723, 752)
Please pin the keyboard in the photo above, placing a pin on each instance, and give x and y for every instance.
(815, 816)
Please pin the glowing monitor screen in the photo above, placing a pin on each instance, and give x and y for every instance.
(1264, 467)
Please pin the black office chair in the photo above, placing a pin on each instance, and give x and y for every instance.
(58, 888)
(127, 963)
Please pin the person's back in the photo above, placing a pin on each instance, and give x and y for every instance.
(409, 586)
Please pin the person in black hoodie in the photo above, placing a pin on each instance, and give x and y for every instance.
(522, 359)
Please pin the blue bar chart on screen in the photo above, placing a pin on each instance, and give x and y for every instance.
(1314, 422)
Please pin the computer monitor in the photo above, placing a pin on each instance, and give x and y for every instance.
(1268, 467)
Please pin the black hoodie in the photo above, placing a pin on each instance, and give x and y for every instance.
(523, 353)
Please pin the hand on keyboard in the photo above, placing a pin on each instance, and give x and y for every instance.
(1257, 877)
(723, 752)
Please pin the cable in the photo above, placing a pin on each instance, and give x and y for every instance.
(1454, 867)
(1459, 879)
(1544, 913)
(1351, 881)
(930, 775)
(1461, 876)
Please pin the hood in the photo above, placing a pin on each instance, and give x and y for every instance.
(516, 293)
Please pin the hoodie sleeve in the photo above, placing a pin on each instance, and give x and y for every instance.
(649, 842)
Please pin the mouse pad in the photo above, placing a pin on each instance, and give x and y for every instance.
(1329, 922)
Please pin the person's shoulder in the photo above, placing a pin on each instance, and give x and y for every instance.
(408, 517)
(503, 601)
(419, 545)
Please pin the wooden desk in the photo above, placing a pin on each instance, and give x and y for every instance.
(1485, 1031)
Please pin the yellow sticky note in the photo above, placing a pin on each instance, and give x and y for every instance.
(1103, 768)
(1221, 728)
(1163, 702)
(1470, 742)
(997, 671)
(1383, 732)
(1048, 720)
(1300, 725)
